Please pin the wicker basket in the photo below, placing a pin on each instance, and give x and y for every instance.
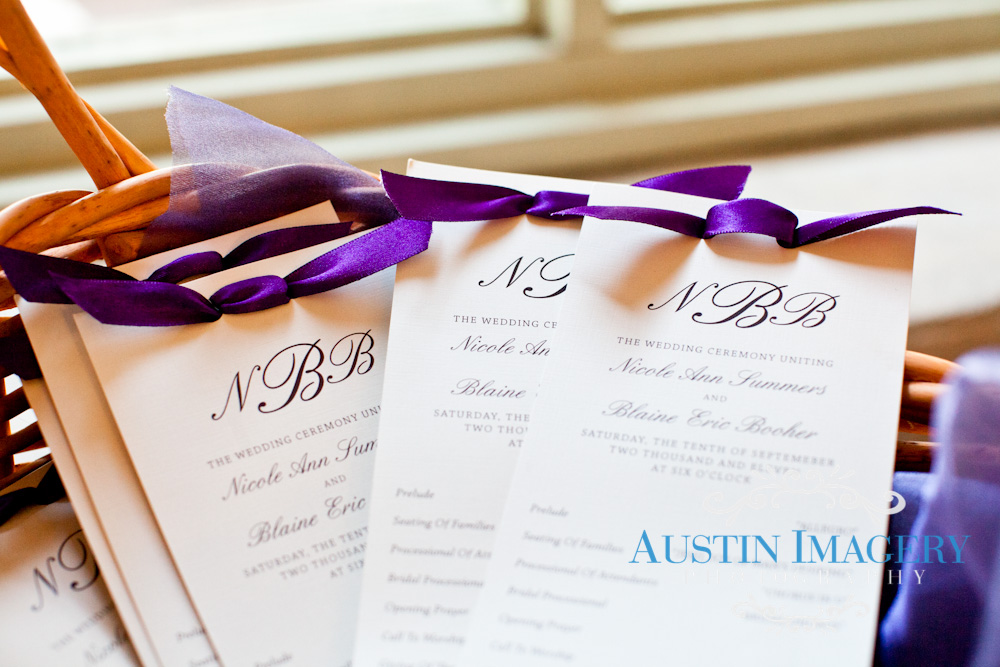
(130, 192)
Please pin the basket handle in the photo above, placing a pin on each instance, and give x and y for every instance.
(107, 156)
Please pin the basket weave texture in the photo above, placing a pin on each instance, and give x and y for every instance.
(77, 224)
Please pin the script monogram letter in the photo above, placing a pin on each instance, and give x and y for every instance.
(358, 356)
(749, 303)
(552, 273)
(72, 556)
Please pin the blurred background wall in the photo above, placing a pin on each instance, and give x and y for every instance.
(839, 104)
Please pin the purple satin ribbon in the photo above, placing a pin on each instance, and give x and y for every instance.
(446, 201)
(754, 216)
(113, 297)
(450, 201)
(262, 246)
(36, 285)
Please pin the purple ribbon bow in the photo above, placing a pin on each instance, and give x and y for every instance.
(450, 201)
(113, 297)
(753, 216)
(446, 201)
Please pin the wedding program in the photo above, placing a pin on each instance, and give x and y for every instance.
(90, 522)
(253, 438)
(56, 610)
(473, 319)
(707, 473)
(578, 442)
(473, 323)
(95, 466)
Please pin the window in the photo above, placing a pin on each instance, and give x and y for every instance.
(636, 6)
(551, 86)
(93, 34)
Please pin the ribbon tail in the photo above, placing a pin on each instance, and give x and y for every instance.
(138, 303)
(370, 253)
(31, 275)
(725, 182)
(829, 228)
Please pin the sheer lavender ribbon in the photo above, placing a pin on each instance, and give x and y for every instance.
(113, 297)
(232, 170)
(952, 616)
(445, 201)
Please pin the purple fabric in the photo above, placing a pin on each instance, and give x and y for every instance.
(281, 241)
(262, 246)
(548, 203)
(845, 224)
(28, 274)
(752, 216)
(195, 264)
(724, 182)
(447, 201)
(137, 302)
(252, 294)
(952, 617)
(377, 250)
(32, 275)
(232, 170)
(113, 297)
(453, 201)
(987, 653)
(910, 485)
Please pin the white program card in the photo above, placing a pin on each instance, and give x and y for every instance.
(717, 417)
(86, 514)
(96, 450)
(473, 319)
(54, 608)
(253, 439)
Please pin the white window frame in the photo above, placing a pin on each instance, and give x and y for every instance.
(572, 88)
